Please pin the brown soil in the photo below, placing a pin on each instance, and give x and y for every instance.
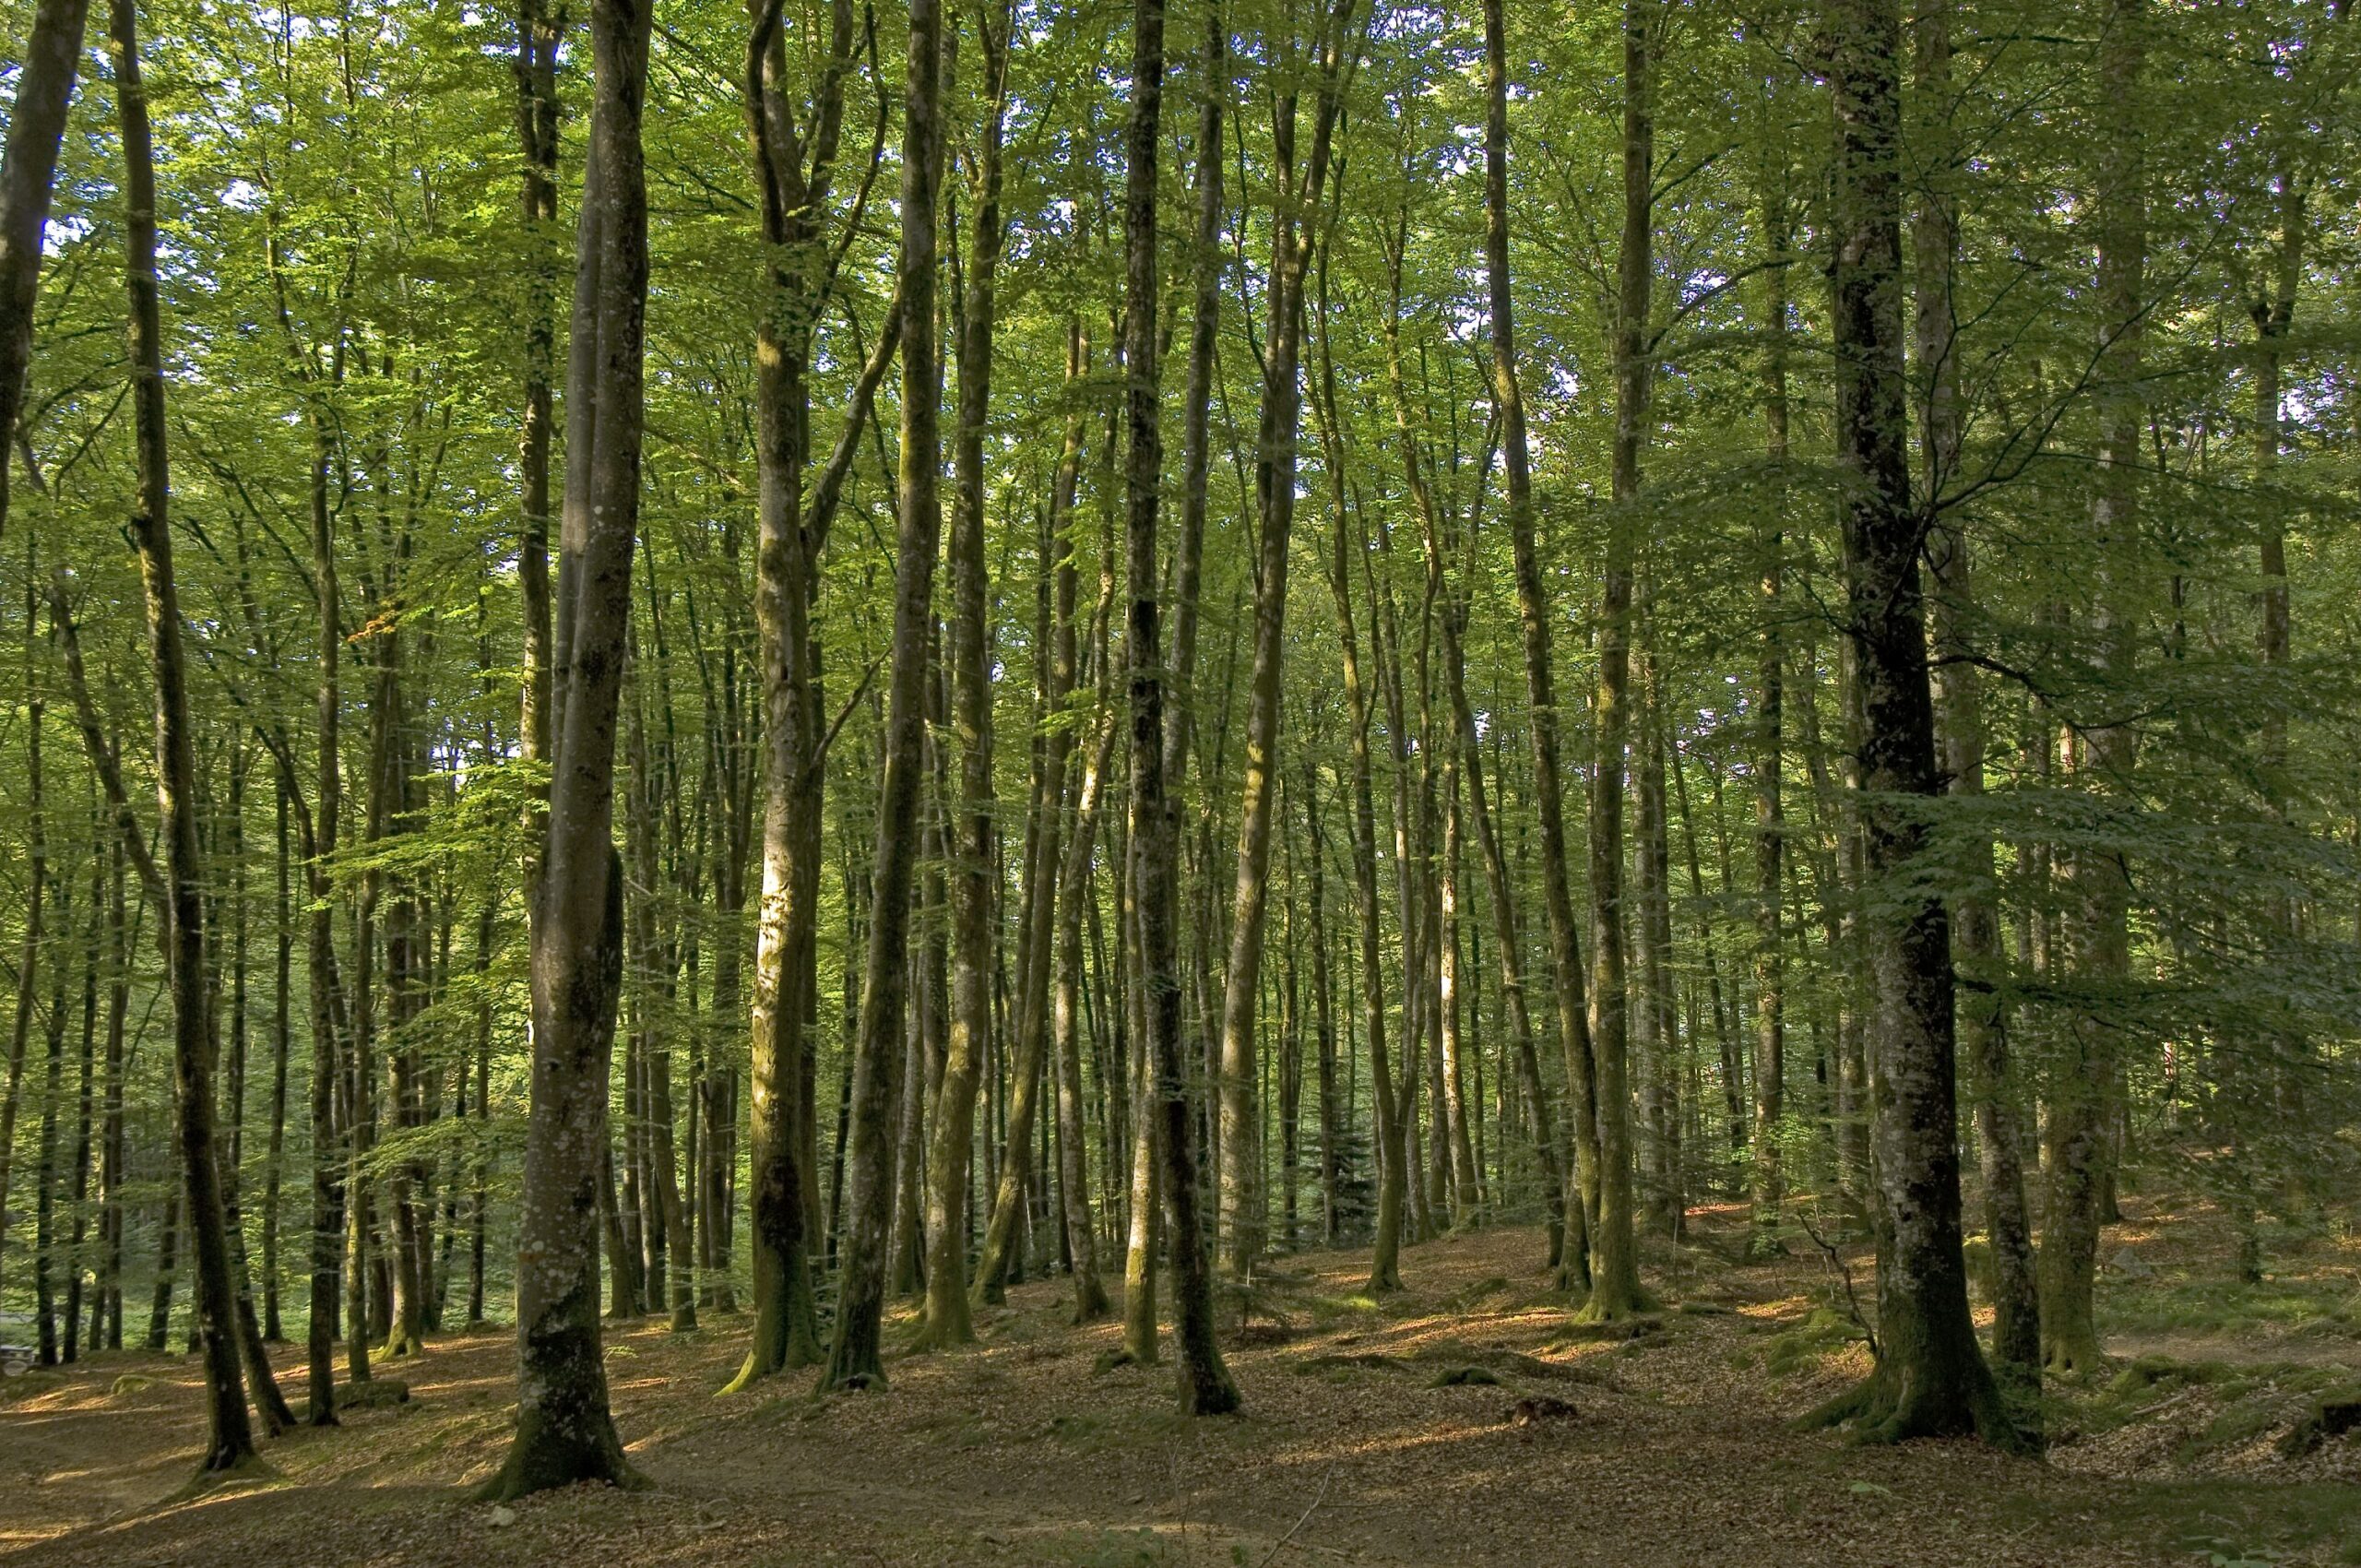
(1358, 1447)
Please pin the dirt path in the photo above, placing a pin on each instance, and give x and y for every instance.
(1018, 1452)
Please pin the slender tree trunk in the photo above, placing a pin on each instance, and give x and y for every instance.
(1345, 544)
(1323, 1010)
(1205, 1384)
(1297, 202)
(854, 1360)
(1959, 718)
(229, 1444)
(281, 1039)
(1766, 1177)
(1615, 1281)
(1534, 619)
(46, 1173)
(77, 1197)
(2097, 890)
(975, 853)
(1074, 890)
(36, 894)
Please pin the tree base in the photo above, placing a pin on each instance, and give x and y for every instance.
(222, 1469)
(757, 1366)
(1216, 1396)
(1618, 1306)
(541, 1459)
(1883, 1409)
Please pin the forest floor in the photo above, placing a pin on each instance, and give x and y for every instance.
(1465, 1420)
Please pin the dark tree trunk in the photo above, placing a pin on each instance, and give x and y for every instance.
(1959, 718)
(1205, 1384)
(854, 1357)
(975, 847)
(1534, 618)
(28, 173)
(564, 1432)
(1931, 1378)
(229, 1442)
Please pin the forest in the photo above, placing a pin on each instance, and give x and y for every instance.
(1180, 781)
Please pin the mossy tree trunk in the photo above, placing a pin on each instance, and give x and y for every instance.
(1931, 1378)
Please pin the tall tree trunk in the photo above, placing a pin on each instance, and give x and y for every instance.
(28, 173)
(332, 1036)
(46, 1172)
(1346, 543)
(974, 847)
(854, 1359)
(229, 1444)
(36, 895)
(106, 1311)
(77, 1197)
(1766, 1188)
(1614, 1278)
(1534, 620)
(1958, 715)
(281, 1040)
(1931, 1378)
(1074, 890)
(1205, 1384)
(2097, 888)
(1323, 1011)
(1657, 1024)
(564, 1432)
(1297, 201)
(794, 162)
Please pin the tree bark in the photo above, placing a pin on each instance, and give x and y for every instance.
(229, 1444)
(1541, 697)
(1931, 1378)
(854, 1359)
(1959, 718)
(2097, 891)
(974, 857)
(1615, 1279)
(564, 1432)
(1765, 1186)
(1205, 1387)
(27, 173)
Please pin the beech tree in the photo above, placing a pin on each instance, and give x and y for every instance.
(669, 813)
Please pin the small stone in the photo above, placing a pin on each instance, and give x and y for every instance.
(500, 1516)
